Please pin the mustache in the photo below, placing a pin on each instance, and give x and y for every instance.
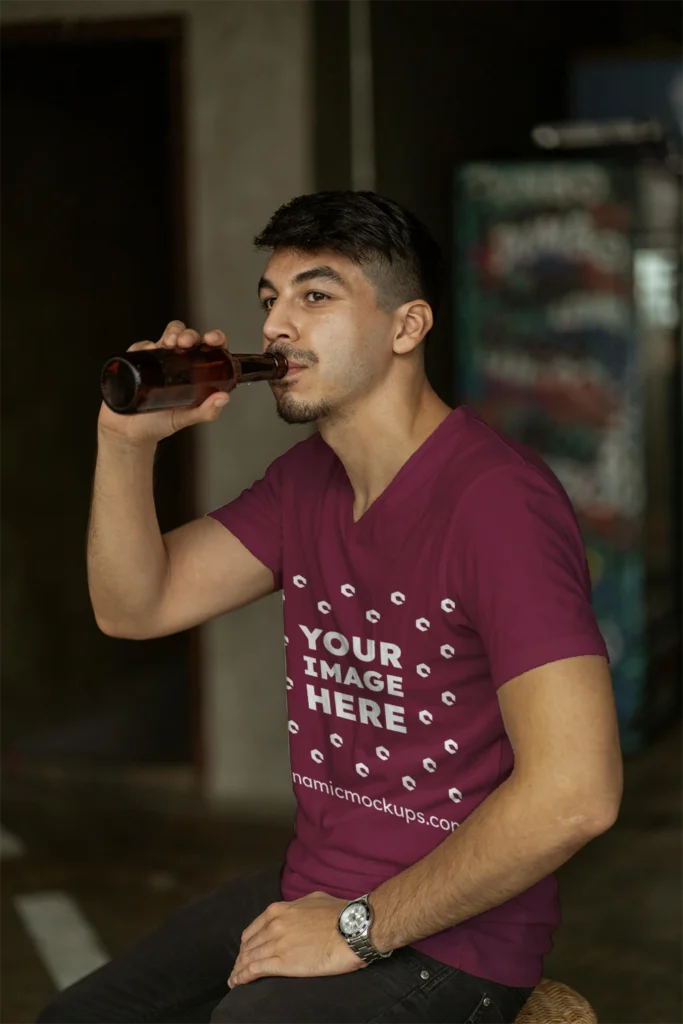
(291, 355)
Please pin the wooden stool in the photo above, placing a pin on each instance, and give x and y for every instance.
(551, 1002)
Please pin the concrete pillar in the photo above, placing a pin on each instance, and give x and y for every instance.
(251, 151)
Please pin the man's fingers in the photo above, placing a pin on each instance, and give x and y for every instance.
(177, 335)
(139, 345)
(260, 951)
(254, 928)
(216, 338)
(262, 920)
(180, 339)
(270, 933)
(172, 329)
(269, 967)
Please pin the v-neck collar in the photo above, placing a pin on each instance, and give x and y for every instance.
(412, 474)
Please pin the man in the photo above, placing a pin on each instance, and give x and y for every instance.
(452, 728)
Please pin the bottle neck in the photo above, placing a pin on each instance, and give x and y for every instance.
(251, 368)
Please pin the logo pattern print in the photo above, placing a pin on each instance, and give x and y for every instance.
(429, 764)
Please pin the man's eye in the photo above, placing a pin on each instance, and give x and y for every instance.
(267, 304)
(316, 296)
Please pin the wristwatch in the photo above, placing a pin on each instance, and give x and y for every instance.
(354, 925)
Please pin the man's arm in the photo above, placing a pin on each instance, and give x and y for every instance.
(145, 585)
(565, 789)
(142, 584)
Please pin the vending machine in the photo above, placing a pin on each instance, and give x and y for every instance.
(567, 337)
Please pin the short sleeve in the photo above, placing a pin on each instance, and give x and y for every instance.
(521, 576)
(255, 518)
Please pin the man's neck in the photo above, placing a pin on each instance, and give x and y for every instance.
(377, 438)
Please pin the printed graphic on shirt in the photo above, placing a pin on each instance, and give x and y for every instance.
(407, 814)
(364, 679)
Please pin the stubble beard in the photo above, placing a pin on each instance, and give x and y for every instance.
(293, 411)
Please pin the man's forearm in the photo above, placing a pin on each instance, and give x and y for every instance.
(126, 557)
(514, 838)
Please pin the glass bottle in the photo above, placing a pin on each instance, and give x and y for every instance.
(153, 379)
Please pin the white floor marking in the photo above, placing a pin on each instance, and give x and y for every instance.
(66, 942)
(10, 845)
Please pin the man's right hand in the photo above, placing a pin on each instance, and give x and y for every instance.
(151, 427)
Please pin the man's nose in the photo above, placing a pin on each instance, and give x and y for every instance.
(279, 326)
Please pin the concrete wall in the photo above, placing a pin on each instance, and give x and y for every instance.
(249, 148)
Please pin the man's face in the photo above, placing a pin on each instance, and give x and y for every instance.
(322, 315)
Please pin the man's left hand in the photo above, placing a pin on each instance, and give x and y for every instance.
(295, 940)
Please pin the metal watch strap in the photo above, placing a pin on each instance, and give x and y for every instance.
(363, 948)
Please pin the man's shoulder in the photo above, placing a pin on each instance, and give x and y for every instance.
(488, 454)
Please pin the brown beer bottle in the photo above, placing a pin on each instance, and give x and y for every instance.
(153, 379)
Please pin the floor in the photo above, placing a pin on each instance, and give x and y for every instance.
(126, 865)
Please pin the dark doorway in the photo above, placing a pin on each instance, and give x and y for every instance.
(92, 260)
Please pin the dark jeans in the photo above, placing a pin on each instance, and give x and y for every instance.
(180, 973)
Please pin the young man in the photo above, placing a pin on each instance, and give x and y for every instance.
(452, 728)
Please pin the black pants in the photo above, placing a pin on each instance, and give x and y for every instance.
(180, 973)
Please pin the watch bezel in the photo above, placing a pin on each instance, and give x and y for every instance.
(365, 927)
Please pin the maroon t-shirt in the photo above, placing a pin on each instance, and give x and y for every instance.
(468, 570)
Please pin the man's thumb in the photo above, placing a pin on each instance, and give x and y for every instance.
(209, 410)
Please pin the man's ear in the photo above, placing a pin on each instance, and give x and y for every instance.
(415, 320)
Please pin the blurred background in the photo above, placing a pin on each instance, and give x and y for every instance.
(144, 143)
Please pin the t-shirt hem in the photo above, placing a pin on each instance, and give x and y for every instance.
(503, 957)
(515, 972)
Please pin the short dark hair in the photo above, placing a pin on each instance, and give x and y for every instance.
(394, 249)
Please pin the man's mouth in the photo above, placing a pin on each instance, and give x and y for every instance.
(294, 369)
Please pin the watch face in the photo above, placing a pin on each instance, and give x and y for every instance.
(354, 919)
